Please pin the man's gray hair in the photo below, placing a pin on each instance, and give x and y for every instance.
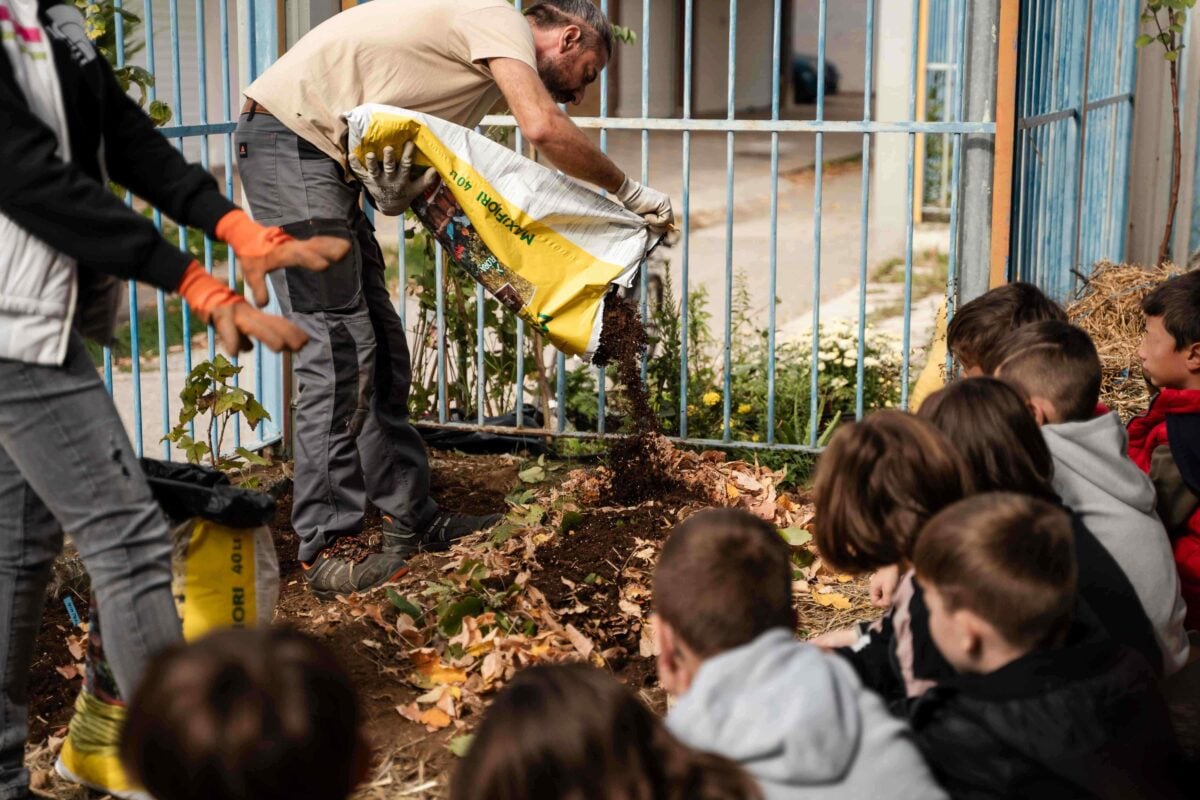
(586, 14)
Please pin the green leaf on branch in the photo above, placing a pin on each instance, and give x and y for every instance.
(405, 606)
(251, 457)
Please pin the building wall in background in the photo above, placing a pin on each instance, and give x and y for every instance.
(845, 36)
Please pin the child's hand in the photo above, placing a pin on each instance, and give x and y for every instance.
(883, 586)
(834, 639)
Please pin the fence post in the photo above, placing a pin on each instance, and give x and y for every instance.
(258, 47)
(979, 155)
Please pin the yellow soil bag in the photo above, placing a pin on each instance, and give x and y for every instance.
(548, 248)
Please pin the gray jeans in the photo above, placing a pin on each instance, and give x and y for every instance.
(353, 442)
(66, 463)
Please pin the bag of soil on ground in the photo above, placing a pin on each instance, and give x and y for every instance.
(548, 248)
(225, 573)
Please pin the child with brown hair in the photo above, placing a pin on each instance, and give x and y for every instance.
(1165, 440)
(876, 484)
(1055, 365)
(251, 714)
(575, 733)
(981, 324)
(997, 435)
(797, 719)
(1043, 704)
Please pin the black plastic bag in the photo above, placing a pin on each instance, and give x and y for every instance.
(481, 443)
(185, 491)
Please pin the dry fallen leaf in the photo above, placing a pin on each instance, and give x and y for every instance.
(429, 665)
(71, 671)
(434, 719)
(833, 599)
(582, 644)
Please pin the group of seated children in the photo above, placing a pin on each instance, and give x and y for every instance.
(1039, 567)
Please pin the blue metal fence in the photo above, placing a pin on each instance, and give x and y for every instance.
(951, 125)
(190, 124)
(944, 23)
(1077, 63)
(258, 49)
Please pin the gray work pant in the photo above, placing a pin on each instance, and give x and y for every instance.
(353, 442)
(66, 463)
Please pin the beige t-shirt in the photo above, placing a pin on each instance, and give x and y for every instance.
(425, 55)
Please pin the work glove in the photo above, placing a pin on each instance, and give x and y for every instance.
(260, 250)
(235, 321)
(650, 204)
(390, 183)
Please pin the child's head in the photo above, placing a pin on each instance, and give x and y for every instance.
(264, 713)
(980, 325)
(1056, 366)
(992, 427)
(744, 567)
(998, 573)
(574, 732)
(877, 483)
(1170, 348)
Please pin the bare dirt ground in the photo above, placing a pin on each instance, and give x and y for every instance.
(564, 577)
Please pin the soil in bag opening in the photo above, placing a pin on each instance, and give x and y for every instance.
(640, 464)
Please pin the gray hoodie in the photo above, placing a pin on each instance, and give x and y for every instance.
(1097, 480)
(800, 721)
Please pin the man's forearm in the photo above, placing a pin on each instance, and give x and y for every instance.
(565, 146)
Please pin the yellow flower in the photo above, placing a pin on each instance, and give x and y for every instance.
(691, 409)
(711, 398)
(744, 408)
(754, 437)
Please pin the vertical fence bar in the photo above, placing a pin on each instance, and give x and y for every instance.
(906, 343)
(864, 235)
(601, 378)
(440, 295)
(134, 340)
(959, 59)
(645, 270)
(480, 365)
(227, 139)
(818, 180)
(731, 89)
(560, 371)
(160, 297)
(685, 239)
(776, 43)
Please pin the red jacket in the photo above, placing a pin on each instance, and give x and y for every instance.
(1165, 443)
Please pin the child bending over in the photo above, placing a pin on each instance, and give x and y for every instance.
(799, 720)
(1055, 365)
(1043, 705)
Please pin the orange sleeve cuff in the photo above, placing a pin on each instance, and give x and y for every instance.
(204, 293)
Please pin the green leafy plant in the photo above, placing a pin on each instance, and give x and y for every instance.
(1167, 19)
(100, 24)
(624, 35)
(211, 400)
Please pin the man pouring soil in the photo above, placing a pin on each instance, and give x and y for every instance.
(453, 59)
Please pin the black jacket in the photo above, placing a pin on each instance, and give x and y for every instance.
(1082, 720)
(69, 205)
(1106, 598)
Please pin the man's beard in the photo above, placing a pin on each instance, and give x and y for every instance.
(555, 79)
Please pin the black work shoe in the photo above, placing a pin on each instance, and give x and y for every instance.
(443, 530)
(330, 576)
